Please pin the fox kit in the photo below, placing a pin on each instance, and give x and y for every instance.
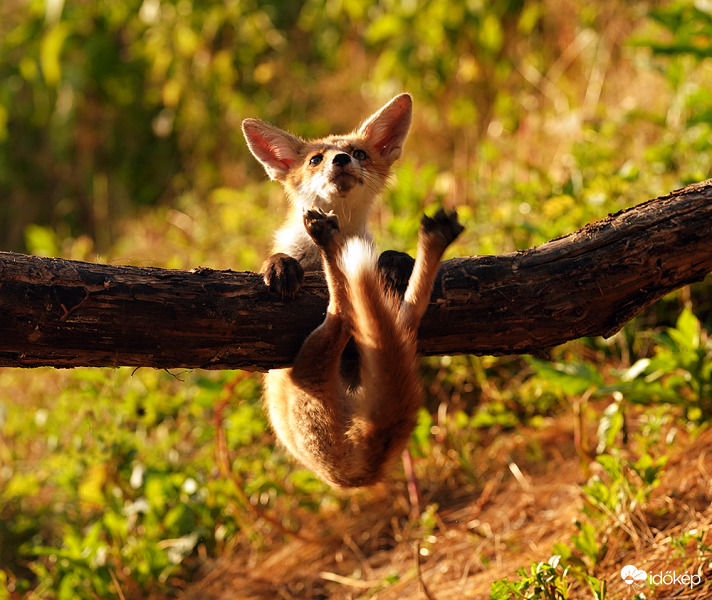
(347, 421)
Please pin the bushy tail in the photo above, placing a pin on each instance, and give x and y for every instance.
(391, 394)
(374, 310)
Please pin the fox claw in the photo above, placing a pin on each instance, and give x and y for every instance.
(283, 275)
(322, 227)
(442, 224)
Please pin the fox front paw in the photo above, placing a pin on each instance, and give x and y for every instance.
(283, 275)
(442, 226)
(322, 227)
(395, 268)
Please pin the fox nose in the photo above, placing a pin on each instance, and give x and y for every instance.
(341, 160)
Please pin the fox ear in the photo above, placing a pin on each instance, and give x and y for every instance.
(386, 129)
(277, 150)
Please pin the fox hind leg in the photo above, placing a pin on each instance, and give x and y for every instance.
(325, 345)
(435, 235)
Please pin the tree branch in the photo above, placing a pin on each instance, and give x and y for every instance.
(67, 313)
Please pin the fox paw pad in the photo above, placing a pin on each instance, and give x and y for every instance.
(443, 225)
(321, 226)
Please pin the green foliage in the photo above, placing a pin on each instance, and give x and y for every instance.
(623, 486)
(629, 468)
(570, 378)
(689, 27)
(679, 40)
(123, 483)
(420, 440)
(679, 372)
(138, 101)
(546, 581)
(681, 542)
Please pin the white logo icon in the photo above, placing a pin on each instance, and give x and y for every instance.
(632, 574)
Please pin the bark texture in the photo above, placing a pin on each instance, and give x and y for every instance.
(65, 313)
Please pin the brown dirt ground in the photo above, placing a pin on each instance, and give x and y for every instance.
(516, 517)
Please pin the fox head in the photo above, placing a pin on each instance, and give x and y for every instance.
(343, 173)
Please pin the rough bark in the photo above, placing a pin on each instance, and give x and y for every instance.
(66, 313)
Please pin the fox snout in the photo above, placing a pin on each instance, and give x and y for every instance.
(341, 160)
(342, 172)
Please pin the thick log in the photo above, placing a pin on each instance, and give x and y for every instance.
(67, 313)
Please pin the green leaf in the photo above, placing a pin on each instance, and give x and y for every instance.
(420, 439)
(386, 27)
(50, 51)
(585, 541)
(491, 34)
(562, 550)
(609, 426)
(650, 470)
(572, 378)
(611, 464)
(4, 593)
(687, 331)
(41, 241)
(21, 485)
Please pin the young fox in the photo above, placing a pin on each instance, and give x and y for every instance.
(347, 422)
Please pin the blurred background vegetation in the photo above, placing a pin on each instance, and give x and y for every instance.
(558, 112)
(120, 141)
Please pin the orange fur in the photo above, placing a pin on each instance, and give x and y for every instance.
(347, 428)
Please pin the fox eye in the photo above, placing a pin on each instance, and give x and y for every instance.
(360, 155)
(315, 160)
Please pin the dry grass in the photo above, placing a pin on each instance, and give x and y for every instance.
(515, 517)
